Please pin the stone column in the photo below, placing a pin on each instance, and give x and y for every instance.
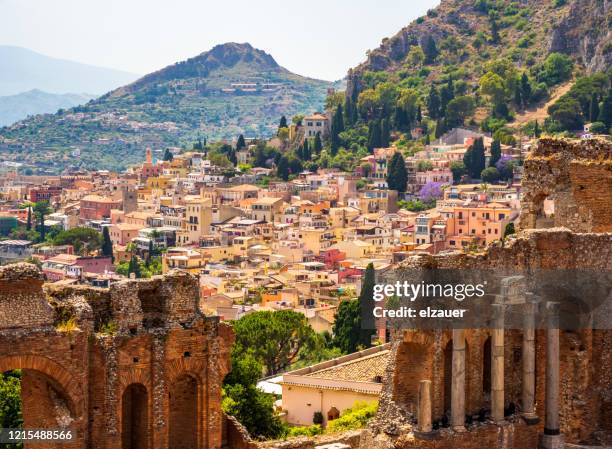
(528, 394)
(552, 438)
(497, 364)
(458, 381)
(424, 416)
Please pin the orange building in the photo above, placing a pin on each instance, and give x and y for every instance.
(96, 207)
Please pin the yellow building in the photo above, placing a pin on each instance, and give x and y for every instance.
(316, 240)
(333, 386)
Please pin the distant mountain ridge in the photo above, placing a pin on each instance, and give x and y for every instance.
(24, 70)
(230, 90)
(17, 107)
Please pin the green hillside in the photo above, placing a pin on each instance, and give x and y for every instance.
(478, 63)
(230, 90)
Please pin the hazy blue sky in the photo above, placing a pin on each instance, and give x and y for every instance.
(318, 38)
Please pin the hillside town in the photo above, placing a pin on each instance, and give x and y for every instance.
(256, 241)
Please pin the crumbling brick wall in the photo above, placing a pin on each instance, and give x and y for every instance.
(90, 354)
(585, 360)
(577, 176)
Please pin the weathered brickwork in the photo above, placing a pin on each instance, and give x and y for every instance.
(585, 359)
(135, 366)
(577, 176)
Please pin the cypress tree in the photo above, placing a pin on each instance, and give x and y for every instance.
(536, 130)
(518, 97)
(241, 143)
(440, 128)
(419, 115)
(318, 145)
(107, 244)
(282, 169)
(401, 118)
(150, 252)
(494, 31)
(305, 151)
(430, 49)
(134, 267)
(337, 126)
(495, 153)
(366, 305)
(397, 176)
(374, 135)
(168, 156)
(594, 108)
(525, 89)
(29, 222)
(446, 96)
(385, 133)
(433, 103)
(283, 122)
(605, 113)
(476, 163)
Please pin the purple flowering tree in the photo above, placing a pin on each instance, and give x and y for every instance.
(430, 192)
(505, 166)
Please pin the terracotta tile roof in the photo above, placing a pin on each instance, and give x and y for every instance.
(364, 369)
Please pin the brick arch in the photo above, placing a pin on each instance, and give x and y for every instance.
(56, 372)
(134, 376)
(190, 366)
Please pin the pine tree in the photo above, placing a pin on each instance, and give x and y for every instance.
(168, 156)
(605, 113)
(107, 244)
(397, 176)
(241, 143)
(366, 305)
(495, 152)
(385, 133)
(525, 89)
(433, 103)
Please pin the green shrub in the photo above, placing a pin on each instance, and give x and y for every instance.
(305, 431)
(356, 417)
(599, 128)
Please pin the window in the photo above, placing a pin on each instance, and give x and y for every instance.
(473, 231)
(502, 216)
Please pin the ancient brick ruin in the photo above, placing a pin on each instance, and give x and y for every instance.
(135, 366)
(577, 178)
(559, 380)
